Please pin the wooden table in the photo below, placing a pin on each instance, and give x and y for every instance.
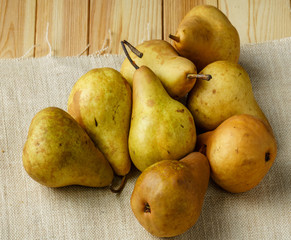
(35, 28)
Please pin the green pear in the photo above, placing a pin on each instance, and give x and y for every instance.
(100, 101)
(205, 35)
(228, 93)
(58, 152)
(168, 196)
(241, 150)
(161, 57)
(161, 127)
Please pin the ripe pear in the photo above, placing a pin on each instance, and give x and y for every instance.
(58, 152)
(228, 93)
(168, 196)
(161, 127)
(100, 101)
(240, 151)
(162, 58)
(205, 35)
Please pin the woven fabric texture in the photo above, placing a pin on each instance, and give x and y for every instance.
(29, 210)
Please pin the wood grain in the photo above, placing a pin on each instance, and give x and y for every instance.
(134, 21)
(67, 29)
(17, 27)
(73, 24)
(259, 21)
(175, 10)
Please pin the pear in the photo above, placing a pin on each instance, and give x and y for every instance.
(174, 71)
(58, 152)
(240, 151)
(205, 35)
(228, 93)
(100, 101)
(161, 127)
(168, 196)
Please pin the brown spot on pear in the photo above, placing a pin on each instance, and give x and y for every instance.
(150, 102)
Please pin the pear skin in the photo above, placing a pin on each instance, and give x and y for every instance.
(161, 127)
(101, 103)
(240, 151)
(168, 196)
(172, 69)
(228, 93)
(205, 35)
(58, 152)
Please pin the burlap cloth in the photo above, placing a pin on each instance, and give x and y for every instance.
(29, 210)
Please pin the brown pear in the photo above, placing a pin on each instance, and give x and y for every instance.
(205, 35)
(168, 196)
(240, 151)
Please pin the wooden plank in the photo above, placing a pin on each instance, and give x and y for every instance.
(75, 23)
(115, 20)
(17, 24)
(259, 21)
(67, 25)
(175, 10)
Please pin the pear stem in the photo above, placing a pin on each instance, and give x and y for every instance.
(206, 77)
(127, 55)
(134, 50)
(203, 149)
(175, 38)
(120, 187)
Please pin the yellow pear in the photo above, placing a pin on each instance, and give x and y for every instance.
(161, 127)
(240, 151)
(100, 101)
(174, 71)
(168, 196)
(228, 93)
(205, 35)
(58, 152)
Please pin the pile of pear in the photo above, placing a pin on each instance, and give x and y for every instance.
(136, 116)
